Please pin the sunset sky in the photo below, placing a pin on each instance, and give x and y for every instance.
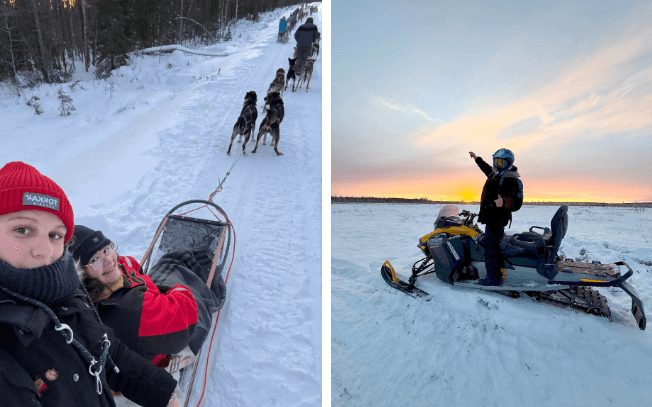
(566, 85)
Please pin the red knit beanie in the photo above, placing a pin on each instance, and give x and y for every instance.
(23, 188)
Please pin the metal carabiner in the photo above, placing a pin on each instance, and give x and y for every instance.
(105, 339)
(90, 368)
(98, 382)
(61, 328)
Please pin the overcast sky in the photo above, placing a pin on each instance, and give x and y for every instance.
(567, 86)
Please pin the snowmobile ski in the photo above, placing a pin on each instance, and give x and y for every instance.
(389, 275)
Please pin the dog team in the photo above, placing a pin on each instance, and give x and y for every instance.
(305, 54)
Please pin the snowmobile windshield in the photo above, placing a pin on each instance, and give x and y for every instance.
(448, 210)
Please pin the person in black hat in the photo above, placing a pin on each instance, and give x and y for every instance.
(153, 323)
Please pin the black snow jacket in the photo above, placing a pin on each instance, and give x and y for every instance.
(38, 367)
(490, 214)
(305, 35)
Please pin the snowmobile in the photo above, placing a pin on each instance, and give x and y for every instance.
(531, 265)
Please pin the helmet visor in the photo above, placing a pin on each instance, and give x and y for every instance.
(501, 163)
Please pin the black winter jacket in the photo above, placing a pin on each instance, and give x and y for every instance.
(38, 367)
(306, 34)
(490, 214)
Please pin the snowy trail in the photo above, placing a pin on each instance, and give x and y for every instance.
(161, 139)
(468, 348)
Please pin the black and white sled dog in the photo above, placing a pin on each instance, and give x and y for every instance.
(272, 120)
(305, 75)
(277, 85)
(291, 73)
(246, 123)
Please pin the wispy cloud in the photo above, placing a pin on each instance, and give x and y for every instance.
(391, 106)
(608, 92)
(409, 109)
(424, 115)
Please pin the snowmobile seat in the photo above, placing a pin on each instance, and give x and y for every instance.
(531, 248)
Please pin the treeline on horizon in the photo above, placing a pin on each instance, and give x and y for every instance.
(47, 40)
(364, 199)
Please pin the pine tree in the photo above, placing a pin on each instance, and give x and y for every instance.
(112, 43)
(66, 106)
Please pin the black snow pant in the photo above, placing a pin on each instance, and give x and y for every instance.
(493, 259)
(302, 55)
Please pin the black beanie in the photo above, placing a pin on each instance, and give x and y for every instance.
(86, 242)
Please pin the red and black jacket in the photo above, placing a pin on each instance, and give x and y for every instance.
(151, 323)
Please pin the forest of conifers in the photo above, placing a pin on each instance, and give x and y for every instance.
(46, 40)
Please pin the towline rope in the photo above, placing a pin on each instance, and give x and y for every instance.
(219, 187)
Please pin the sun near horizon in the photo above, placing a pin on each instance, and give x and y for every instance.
(471, 191)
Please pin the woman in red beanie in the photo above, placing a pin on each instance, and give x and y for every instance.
(54, 350)
(153, 323)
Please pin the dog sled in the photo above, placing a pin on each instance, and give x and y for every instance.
(206, 239)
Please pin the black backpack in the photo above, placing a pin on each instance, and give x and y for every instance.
(519, 202)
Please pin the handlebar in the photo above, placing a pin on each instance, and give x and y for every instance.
(469, 217)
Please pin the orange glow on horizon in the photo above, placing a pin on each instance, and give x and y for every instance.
(469, 191)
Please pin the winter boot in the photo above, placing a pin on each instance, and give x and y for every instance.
(490, 281)
(493, 279)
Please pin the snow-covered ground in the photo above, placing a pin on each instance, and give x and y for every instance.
(154, 135)
(469, 348)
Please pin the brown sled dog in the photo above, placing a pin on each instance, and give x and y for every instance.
(305, 75)
(246, 123)
(272, 120)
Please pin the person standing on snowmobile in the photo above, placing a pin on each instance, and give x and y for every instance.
(502, 194)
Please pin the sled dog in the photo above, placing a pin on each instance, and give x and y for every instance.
(305, 75)
(272, 120)
(291, 73)
(246, 123)
(277, 85)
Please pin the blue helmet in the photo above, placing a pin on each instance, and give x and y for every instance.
(503, 161)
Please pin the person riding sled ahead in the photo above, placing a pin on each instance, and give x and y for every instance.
(155, 323)
(305, 35)
(502, 194)
(281, 28)
(54, 349)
